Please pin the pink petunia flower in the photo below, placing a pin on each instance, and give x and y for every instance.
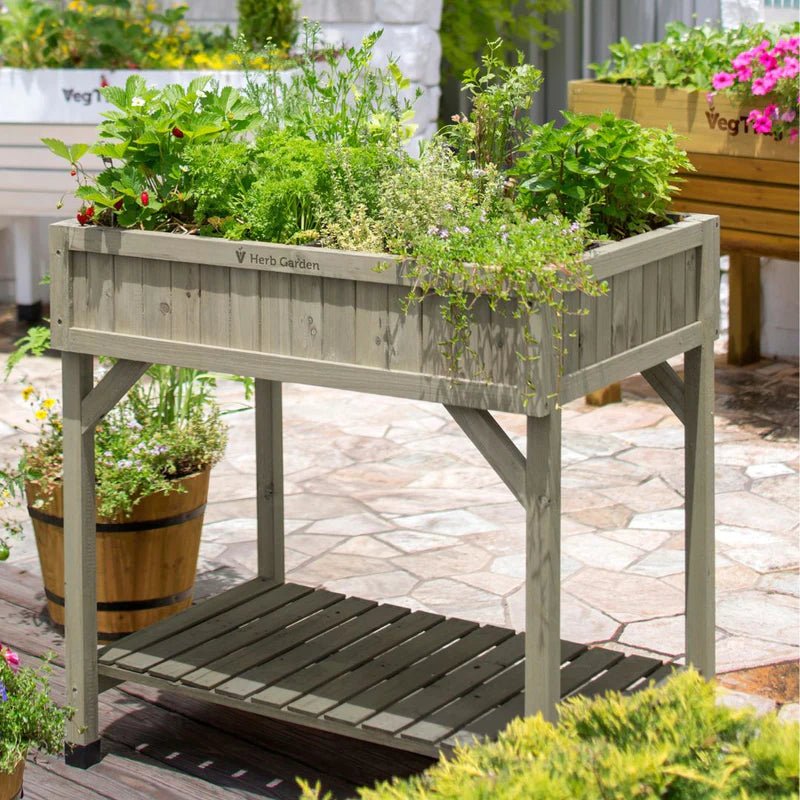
(771, 110)
(12, 659)
(793, 135)
(791, 67)
(762, 125)
(722, 80)
(788, 116)
(753, 115)
(744, 74)
(710, 97)
(768, 60)
(763, 86)
(743, 59)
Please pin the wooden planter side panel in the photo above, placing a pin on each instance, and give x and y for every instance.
(351, 331)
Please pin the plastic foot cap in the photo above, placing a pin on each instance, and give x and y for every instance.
(31, 312)
(82, 756)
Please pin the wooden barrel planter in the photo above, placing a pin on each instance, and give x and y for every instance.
(146, 562)
(11, 782)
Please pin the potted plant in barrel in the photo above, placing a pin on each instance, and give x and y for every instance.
(29, 719)
(153, 456)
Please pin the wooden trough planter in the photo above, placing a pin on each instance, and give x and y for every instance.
(322, 317)
(749, 180)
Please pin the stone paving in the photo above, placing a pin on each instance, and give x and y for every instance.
(387, 499)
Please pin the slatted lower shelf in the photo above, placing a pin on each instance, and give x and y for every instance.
(414, 680)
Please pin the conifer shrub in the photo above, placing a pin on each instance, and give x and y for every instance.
(672, 742)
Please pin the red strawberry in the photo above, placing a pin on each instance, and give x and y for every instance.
(90, 212)
(82, 218)
(103, 82)
(118, 204)
(73, 172)
(177, 132)
(145, 198)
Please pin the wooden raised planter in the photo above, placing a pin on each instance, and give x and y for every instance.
(328, 318)
(749, 180)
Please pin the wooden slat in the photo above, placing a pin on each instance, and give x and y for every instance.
(691, 287)
(621, 675)
(185, 302)
(306, 316)
(349, 659)
(156, 298)
(404, 332)
(434, 334)
(215, 306)
(756, 195)
(760, 244)
(745, 218)
(110, 390)
(276, 313)
(636, 307)
(570, 326)
(128, 307)
(264, 675)
(585, 667)
(664, 307)
(207, 665)
(421, 674)
(761, 170)
(339, 330)
(372, 325)
(587, 331)
(460, 682)
(439, 725)
(245, 325)
(650, 301)
(169, 648)
(619, 313)
(186, 619)
(336, 691)
(668, 385)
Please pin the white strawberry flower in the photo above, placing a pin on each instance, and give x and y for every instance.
(137, 102)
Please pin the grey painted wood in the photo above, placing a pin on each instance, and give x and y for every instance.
(156, 298)
(664, 309)
(245, 327)
(460, 682)
(79, 553)
(619, 313)
(140, 641)
(699, 468)
(372, 325)
(669, 387)
(650, 301)
(113, 386)
(215, 306)
(61, 284)
(128, 303)
(635, 307)
(306, 317)
(185, 302)
(390, 663)
(543, 564)
(260, 677)
(494, 445)
(629, 362)
(269, 479)
(209, 664)
(427, 670)
(165, 658)
(348, 660)
(276, 307)
(339, 340)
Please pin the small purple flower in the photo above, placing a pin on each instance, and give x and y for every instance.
(108, 454)
(478, 173)
(3, 693)
(483, 215)
(448, 206)
(433, 230)
(444, 233)
(462, 229)
(504, 236)
(134, 425)
(575, 227)
(534, 220)
(124, 463)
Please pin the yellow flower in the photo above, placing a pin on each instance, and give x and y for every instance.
(27, 392)
(41, 414)
(48, 403)
(6, 493)
(1, 503)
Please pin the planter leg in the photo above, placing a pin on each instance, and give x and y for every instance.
(269, 480)
(744, 317)
(699, 454)
(543, 567)
(82, 740)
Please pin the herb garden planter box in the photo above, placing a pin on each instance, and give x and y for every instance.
(750, 180)
(282, 313)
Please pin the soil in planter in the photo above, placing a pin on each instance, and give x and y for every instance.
(146, 563)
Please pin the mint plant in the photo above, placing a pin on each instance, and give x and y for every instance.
(622, 173)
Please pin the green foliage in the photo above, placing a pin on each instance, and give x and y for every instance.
(499, 119)
(262, 21)
(108, 34)
(334, 96)
(623, 173)
(29, 718)
(686, 57)
(147, 135)
(168, 426)
(468, 24)
(670, 742)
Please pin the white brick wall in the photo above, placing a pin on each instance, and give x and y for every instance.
(410, 33)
